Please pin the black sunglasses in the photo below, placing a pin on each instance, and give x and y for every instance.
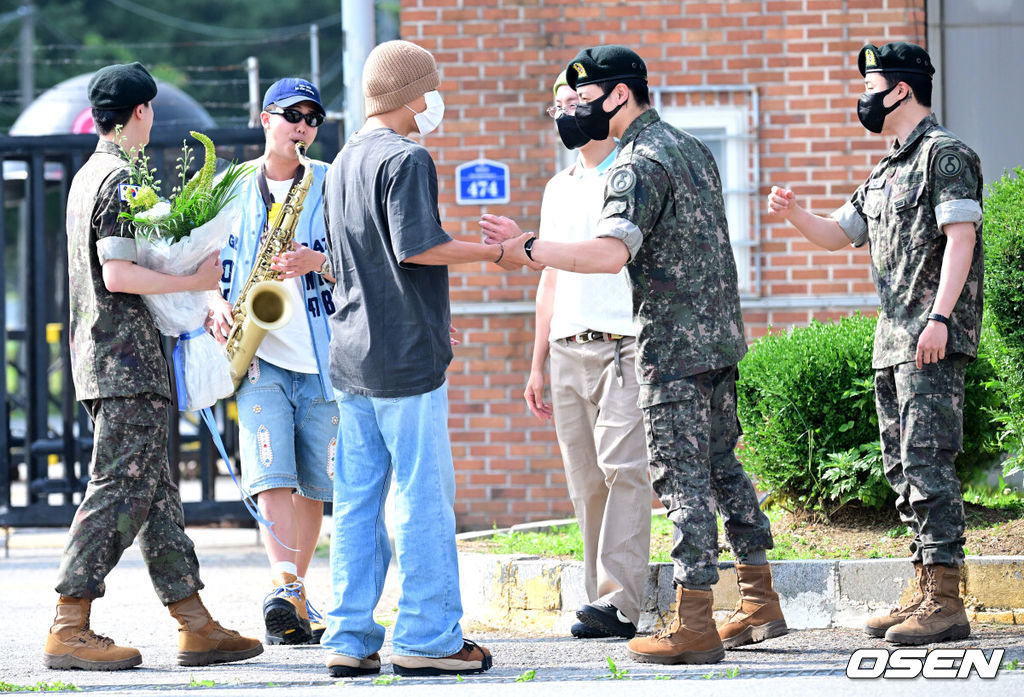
(313, 118)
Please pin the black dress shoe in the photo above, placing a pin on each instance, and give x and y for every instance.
(605, 617)
(582, 631)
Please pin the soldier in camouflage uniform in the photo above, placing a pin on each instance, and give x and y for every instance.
(664, 219)
(121, 378)
(921, 211)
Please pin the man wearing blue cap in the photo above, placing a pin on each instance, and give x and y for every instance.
(121, 379)
(921, 212)
(287, 417)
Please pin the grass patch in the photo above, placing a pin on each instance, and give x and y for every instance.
(564, 541)
(41, 686)
(994, 519)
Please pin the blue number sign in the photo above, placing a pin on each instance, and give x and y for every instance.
(481, 181)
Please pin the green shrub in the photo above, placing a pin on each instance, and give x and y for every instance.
(807, 406)
(1004, 297)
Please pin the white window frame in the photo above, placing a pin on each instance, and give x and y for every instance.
(736, 174)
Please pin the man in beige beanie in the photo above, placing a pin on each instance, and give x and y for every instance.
(389, 352)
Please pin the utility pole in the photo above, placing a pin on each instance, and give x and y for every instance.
(314, 55)
(358, 39)
(26, 63)
(252, 68)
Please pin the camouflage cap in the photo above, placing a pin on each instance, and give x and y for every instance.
(603, 63)
(121, 86)
(898, 56)
(559, 81)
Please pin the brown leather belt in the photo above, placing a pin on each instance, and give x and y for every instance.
(585, 337)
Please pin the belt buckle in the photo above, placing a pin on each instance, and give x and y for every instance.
(582, 337)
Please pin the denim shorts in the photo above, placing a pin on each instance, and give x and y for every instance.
(287, 432)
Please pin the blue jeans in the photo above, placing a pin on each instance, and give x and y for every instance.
(286, 432)
(408, 437)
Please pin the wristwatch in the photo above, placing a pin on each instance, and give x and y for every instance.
(325, 268)
(528, 248)
(939, 318)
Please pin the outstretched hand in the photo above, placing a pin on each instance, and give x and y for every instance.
(498, 228)
(781, 201)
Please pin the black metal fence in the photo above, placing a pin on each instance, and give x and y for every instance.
(46, 442)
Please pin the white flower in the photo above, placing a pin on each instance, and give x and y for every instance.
(159, 212)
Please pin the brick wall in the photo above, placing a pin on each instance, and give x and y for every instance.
(498, 59)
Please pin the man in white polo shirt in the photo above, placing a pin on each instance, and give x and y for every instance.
(585, 323)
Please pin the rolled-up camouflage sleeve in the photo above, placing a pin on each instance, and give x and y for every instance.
(850, 217)
(115, 237)
(956, 189)
(634, 197)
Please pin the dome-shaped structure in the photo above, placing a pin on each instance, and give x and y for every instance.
(64, 108)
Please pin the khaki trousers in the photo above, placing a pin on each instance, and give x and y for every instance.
(601, 435)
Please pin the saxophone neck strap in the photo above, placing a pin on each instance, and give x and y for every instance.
(261, 183)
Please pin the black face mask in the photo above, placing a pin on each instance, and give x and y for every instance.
(872, 112)
(570, 133)
(593, 120)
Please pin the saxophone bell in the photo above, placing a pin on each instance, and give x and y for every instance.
(267, 307)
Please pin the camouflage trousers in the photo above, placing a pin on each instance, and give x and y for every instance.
(694, 470)
(921, 422)
(130, 494)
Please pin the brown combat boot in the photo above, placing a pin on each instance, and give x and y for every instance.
(71, 644)
(941, 615)
(691, 637)
(878, 625)
(758, 615)
(285, 612)
(201, 641)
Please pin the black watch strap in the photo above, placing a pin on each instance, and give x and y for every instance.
(528, 248)
(939, 318)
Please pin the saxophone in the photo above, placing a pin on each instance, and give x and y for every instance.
(264, 303)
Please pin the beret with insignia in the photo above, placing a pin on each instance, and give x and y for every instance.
(603, 63)
(121, 86)
(895, 57)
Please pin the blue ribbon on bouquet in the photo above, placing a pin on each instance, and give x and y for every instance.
(250, 505)
(178, 358)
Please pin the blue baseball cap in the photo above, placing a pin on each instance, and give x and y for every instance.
(292, 90)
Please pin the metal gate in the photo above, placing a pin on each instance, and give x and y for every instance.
(46, 442)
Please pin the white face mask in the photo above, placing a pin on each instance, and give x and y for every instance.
(431, 117)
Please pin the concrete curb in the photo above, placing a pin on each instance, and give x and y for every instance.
(541, 595)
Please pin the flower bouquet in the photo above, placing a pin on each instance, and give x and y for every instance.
(175, 236)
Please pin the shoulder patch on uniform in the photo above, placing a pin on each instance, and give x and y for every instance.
(123, 191)
(950, 164)
(621, 181)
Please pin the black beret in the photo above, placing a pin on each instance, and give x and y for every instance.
(121, 86)
(602, 63)
(898, 56)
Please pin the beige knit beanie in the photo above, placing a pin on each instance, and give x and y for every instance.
(396, 73)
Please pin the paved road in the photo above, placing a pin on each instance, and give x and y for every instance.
(809, 662)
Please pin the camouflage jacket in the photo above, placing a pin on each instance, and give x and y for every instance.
(663, 199)
(931, 180)
(115, 345)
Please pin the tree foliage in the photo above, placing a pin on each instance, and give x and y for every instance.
(197, 45)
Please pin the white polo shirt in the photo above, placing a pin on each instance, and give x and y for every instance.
(569, 212)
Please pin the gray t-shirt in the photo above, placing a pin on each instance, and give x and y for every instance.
(389, 333)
